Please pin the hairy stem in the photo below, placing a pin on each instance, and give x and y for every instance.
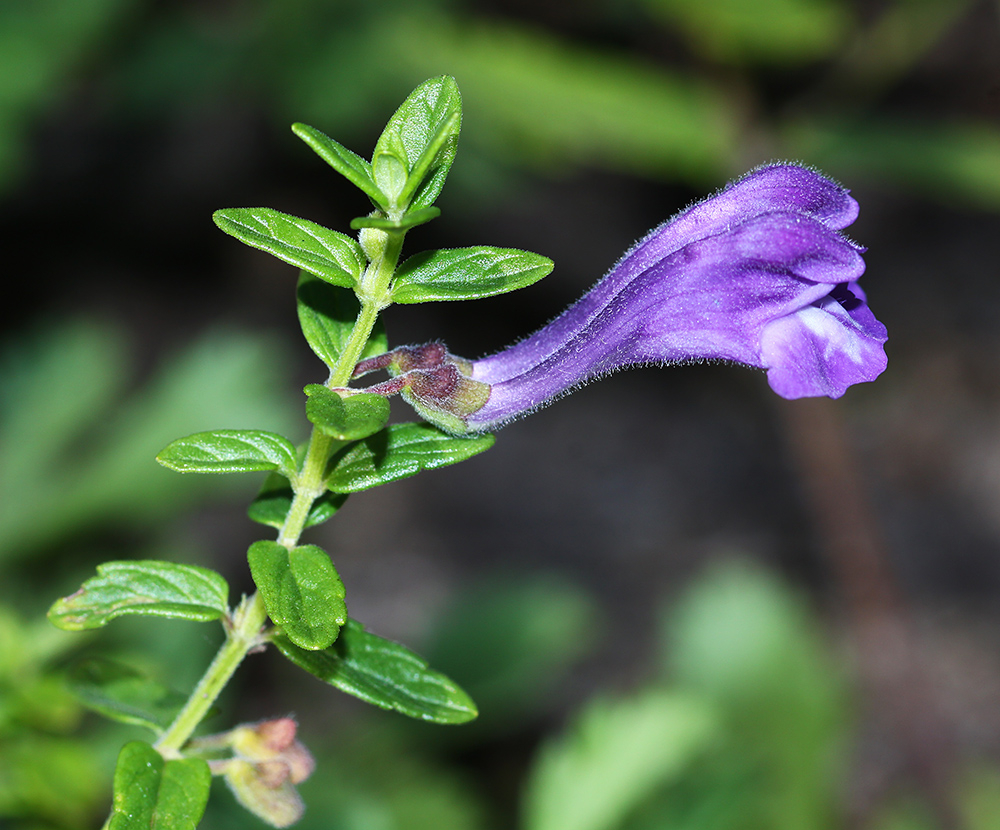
(310, 484)
(243, 636)
(245, 632)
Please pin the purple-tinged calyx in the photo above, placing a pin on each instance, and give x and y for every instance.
(433, 381)
(757, 274)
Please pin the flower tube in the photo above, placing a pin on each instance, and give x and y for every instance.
(758, 274)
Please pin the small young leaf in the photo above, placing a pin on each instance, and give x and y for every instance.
(389, 170)
(407, 221)
(445, 139)
(329, 255)
(350, 165)
(153, 794)
(274, 500)
(428, 121)
(466, 274)
(384, 674)
(400, 451)
(349, 419)
(302, 591)
(327, 316)
(157, 589)
(230, 451)
(123, 694)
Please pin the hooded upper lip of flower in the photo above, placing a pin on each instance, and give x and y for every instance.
(758, 274)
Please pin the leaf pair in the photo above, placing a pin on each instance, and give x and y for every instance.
(447, 274)
(409, 165)
(304, 597)
(411, 160)
(413, 155)
(392, 453)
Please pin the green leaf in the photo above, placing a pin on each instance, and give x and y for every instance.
(615, 754)
(407, 221)
(350, 165)
(329, 255)
(421, 138)
(384, 674)
(274, 500)
(157, 589)
(302, 591)
(153, 794)
(444, 140)
(123, 694)
(350, 418)
(327, 316)
(400, 451)
(745, 641)
(230, 451)
(466, 274)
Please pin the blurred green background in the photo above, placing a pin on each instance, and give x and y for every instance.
(681, 603)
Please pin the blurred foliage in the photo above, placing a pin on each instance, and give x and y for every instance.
(45, 773)
(749, 729)
(513, 640)
(78, 446)
(767, 31)
(43, 44)
(698, 108)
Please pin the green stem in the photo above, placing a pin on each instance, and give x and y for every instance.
(344, 370)
(308, 488)
(310, 484)
(244, 635)
(245, 632)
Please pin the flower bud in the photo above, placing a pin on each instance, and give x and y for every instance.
(266, 790)
(267, 762)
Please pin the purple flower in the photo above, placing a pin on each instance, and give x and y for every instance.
(757, 274)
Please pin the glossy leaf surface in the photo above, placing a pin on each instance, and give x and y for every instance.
(467, 274)
(301, 590)
(147, 587)
(153, 794)
(385, 674)
(327, 254)
(349, 164)
(415, 151)
(230, 451)
(121, 693)
(327, 316)
(350, 418)
(400, 451)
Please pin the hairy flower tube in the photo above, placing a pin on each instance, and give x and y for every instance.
(758, 274)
